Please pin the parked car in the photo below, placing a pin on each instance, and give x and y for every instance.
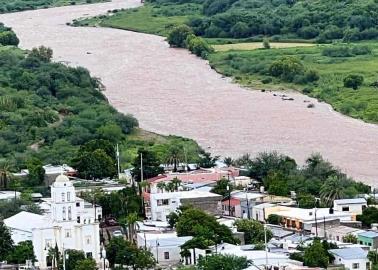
(117, 233)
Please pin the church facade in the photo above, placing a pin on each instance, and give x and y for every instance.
(70, 223)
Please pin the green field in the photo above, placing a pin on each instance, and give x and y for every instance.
(251, 68)
(150, 19)
(247, 46)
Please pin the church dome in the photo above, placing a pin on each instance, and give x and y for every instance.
(62, 179)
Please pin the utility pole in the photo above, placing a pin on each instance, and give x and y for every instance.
(118, 166)
(266, 247)
(141, 167)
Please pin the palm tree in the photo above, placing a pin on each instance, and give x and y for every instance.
(170, 187)
(131, 220)
(176, 183)
(174, 156)
(228, 161)
(5, 175)
(331, 190)
(161, 186)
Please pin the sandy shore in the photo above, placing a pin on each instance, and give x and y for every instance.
(172, 92)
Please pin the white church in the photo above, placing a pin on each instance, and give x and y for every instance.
(68, 223)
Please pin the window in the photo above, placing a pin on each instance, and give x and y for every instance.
(64, 213)
(77, 204)
(88, 240)
(67, 233)
(48, 243)
(166, 255)
(68, 196)
(78, 219)
(355, 266)
(69, 213)
(63, 197)
(163, 202)
(89, 254)
(345, 208)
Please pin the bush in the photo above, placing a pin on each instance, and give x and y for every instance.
(266, 43)
(287, 68)
(361, 50)
(353, 81)
(178, 36)
(198, 46)
(337, 51)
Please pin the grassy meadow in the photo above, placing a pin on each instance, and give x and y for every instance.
(247, 46)
(150, 19)
(251, 68)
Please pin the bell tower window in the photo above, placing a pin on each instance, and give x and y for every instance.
(63, 197)
(64, 213)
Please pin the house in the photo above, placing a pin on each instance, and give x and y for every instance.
(247, 201)
(309, 219)
(337, 233)
(353, 206)
(165, 247)
(69, 223)
(368, 238)
(352, 258)
(51, 172)
(262, 211)
(231, 207)
(9, 195)
(162, 204)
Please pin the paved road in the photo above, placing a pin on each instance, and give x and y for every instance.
(172, 92)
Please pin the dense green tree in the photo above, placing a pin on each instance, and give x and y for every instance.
(369, 216)
(221, 187)
(74, 257)
(120, 251)
(306, 201)
(287, 68)
(208, 229)
(21, 252)
(86, 264)
(331, 190)
(177, 37)
(353, 81)
(175, 155)
(265, 163)
(151, 164)
(6, 242)
(36, 172)
(8, 38)
(5, 175)
(254, 232)
(316, 255)
(110, 132)
(225, 262)
(198, 46)
(42, 53)
(94, 165)
(206, 160)
(274, 219)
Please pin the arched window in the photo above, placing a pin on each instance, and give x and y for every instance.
(64, 213)
(69, 213)
(63, 197)
(68, 196)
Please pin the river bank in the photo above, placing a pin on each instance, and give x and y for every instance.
(171, 91)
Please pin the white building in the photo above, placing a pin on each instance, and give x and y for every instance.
(353, 206)
(69, 224)
(162, 204)
(8, 195)
(352, 258)
(164, 246)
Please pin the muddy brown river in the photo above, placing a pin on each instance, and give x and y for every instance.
(171, 91)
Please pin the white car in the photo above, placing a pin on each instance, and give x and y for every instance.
(117, 233)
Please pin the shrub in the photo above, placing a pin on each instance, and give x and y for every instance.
(286, 68)
(198, 46)
(311, 75)
(361, 50)
(353, 81)
(337, 51)
(9, 38)
(266, 80)
(266, 43)
(178, 36)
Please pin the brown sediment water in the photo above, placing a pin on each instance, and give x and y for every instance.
(171, 91)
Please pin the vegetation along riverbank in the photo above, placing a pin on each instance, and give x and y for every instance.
(339, 68)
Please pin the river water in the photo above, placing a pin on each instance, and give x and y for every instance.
(171, 91)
